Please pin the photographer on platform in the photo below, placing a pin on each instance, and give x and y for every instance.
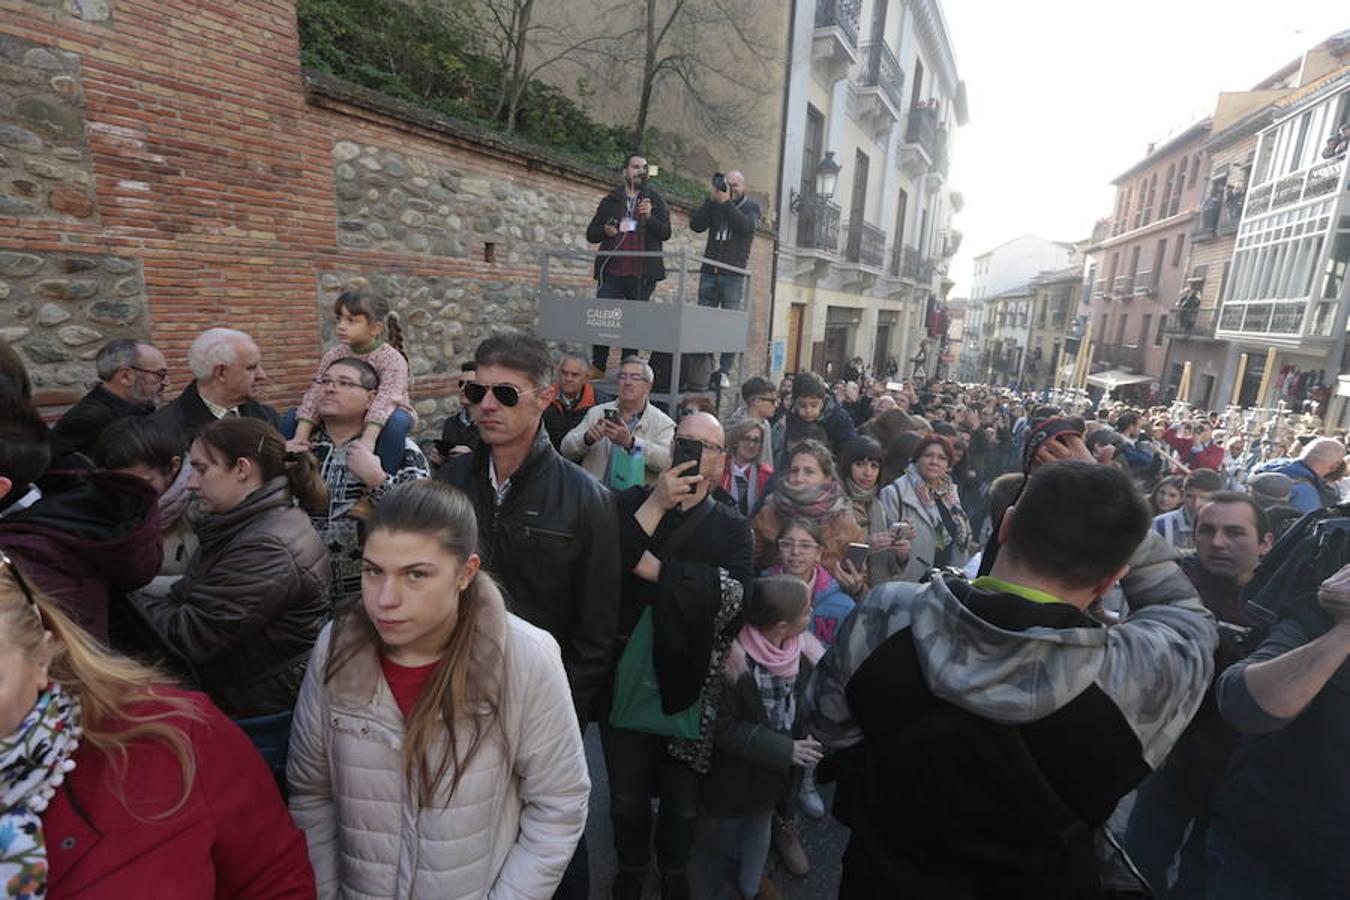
(630, 218)
(729, 217)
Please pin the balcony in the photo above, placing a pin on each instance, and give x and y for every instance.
(1317, 180)
(1145, 284)
(907, 263)
(1099, 290)
(1217, 219)
(818, 224)
(880, 89)
(919, 151)
(1198, 326)
(867, 246)
(1121, 356)
(1122, 287)
(834, 45)
(1279, 320)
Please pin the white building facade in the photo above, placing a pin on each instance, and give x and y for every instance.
(874, 97)
(1287, 287)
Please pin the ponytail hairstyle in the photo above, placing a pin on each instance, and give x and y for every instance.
(109, 686)
(776, 598)
(376, 309)
(465, 692)
(231, 439)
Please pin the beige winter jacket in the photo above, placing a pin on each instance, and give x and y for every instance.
(515, 818)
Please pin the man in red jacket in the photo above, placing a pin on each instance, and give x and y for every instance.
(1194, 443)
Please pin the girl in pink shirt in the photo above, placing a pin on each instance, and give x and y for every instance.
(367, 330)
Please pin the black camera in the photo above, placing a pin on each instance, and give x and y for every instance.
(719, 182)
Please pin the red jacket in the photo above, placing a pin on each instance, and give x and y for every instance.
(1208, 457)
(232, 838)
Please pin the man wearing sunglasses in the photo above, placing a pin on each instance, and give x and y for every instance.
(629, 424)
(132, 376)
(547, 532)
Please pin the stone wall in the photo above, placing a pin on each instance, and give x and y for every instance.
(59, 308)
(165, 166)
(44, 159)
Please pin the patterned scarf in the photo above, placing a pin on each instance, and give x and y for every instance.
(943, 492)
(815, 501)
(34, 760)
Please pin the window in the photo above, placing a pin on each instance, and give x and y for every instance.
(1176, 250)
(1152, 198)
(1195, 168)
(1181, 183)
(1162, 326)
(1159, 254)
(1123, 325)
(812, 148)
(1145, 330)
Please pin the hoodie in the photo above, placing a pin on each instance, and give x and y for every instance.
(981, 739)
(87, 543)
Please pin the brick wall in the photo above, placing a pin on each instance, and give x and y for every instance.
(165, 167)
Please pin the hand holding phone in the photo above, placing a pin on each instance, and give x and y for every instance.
(688, 450)
(857, 555)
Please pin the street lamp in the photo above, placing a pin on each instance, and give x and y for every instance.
(827, 178)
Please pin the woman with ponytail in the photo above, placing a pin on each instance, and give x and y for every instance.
(242, 620)
(117, 785)
(435, 751)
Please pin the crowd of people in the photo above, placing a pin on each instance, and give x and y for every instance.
(293, 655)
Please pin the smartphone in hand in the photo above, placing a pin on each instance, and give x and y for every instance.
(857, 555)
(686, 450)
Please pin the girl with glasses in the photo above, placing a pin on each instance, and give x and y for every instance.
(116, 783)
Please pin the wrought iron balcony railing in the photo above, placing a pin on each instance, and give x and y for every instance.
(882, 70)
(867, 246)
(818, 224)
(841, 14)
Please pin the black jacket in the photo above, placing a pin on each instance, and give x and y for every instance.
(80, 427)
(689, 591)
(559, 418)
(553, 545)
(188, 412)
(731, 230)
(655, 230)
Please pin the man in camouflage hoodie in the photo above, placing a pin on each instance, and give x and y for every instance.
(982, 733)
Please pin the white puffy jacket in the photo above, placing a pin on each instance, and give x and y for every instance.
(516, 816)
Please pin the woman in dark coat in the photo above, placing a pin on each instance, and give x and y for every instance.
(242, 621)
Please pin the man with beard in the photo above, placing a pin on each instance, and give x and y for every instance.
(132, 376)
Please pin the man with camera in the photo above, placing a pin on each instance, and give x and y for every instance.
(627, 427)
(983, 732)
(729, 217)
(631, 218)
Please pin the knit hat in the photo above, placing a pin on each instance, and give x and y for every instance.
(1270, 488)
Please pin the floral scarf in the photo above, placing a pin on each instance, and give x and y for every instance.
(809, 501)
(34, 760)
(944, 492)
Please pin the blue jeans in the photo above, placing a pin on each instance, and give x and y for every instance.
(388, 446)
(722, 290)
(1234, 874)
(1157, 832)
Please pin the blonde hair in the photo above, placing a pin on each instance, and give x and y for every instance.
(468, 683)
(106, 684)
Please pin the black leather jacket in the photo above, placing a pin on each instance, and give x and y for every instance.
(553, 545)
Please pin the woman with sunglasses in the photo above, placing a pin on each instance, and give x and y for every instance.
(355, 477)
(117, 785)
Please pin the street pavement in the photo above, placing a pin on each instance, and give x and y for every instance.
(824, 842)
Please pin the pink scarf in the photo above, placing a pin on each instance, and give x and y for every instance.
(781, 661)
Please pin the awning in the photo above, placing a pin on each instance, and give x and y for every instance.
(1114, 378)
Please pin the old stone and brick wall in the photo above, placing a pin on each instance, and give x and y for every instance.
(165, 167)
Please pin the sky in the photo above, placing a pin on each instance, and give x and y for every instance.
(1064, 96)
